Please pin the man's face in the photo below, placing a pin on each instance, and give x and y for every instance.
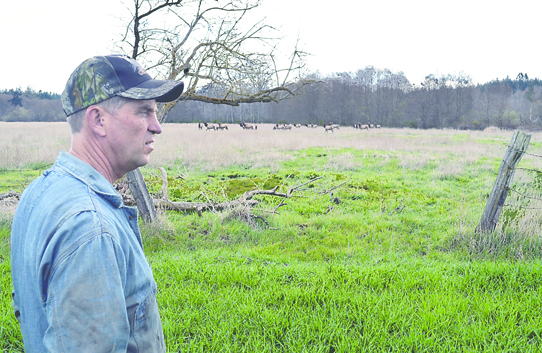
(130, 134)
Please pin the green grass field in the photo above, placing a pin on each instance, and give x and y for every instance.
(378, 254)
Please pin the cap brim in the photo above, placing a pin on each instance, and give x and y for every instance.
(160, 90)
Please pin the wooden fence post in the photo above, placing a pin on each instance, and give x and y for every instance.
(517, 147)
(145, 204)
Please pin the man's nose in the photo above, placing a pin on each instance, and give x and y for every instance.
(155, 126)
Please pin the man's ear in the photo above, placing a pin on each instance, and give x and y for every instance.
(95, 120)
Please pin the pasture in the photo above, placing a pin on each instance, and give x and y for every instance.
(377, 254)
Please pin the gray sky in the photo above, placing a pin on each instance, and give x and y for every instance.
(43, 41)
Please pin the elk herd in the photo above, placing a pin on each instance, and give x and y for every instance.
(215, 127)
(365, 126)
(328, 127)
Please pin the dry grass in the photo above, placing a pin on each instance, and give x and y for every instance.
(29, 143)
(265, 147)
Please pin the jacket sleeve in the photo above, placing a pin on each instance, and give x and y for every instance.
(85, 305)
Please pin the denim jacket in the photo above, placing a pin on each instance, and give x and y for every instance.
(80, 277)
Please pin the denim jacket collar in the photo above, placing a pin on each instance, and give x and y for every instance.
(88, 175)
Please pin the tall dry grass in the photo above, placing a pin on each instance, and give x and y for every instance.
(24, 144)
(265, 147)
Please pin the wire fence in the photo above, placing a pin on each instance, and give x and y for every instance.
(20, 177)
(525, 193)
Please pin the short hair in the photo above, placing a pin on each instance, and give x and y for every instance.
(112, 105)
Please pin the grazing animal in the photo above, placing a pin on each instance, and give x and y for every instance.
(210, 126)
(200, 126)
(297, 125)
(312, 126)
(222, 126)
(246, 126)
(361, 126)
(377, 126)
(282, 127)
(328, 128)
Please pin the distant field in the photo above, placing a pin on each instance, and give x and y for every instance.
(30, 143)
(378, 254)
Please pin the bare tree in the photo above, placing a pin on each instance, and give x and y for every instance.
(223, 55)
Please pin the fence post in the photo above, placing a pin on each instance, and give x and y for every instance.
(517, 147)
(141, 195)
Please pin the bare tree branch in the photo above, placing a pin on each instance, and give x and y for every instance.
(221, 55)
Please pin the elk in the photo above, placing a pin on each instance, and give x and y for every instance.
(222, 126)
(209, 126)
(246, 126)
(328, 128)
(282, 127)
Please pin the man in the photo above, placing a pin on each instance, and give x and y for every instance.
(81, 281)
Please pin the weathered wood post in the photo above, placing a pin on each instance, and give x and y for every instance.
(517, 147)
(143, 199)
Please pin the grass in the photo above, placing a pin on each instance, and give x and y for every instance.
(379, 254)
(224, 302)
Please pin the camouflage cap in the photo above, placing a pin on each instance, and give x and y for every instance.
(102, 77)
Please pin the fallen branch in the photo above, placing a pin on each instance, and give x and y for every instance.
(10, 194)
(201, 206)
(246, 200)
(335, 187)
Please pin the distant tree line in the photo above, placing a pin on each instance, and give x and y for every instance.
(29, 105)
(380, 96)
(367, 96)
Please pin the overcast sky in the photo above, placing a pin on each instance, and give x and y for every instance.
(44, 40)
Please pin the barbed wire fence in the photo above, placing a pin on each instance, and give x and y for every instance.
(519, 198)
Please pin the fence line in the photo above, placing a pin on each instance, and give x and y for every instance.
(526, 186)
(23, 182)
(523, 153)
(45, 166)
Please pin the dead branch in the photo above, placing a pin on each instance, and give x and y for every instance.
(9, 195)
(164, 184)
(282, 203)
(246, 200)
(335, 187)
(300, 185)
(189, 207)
